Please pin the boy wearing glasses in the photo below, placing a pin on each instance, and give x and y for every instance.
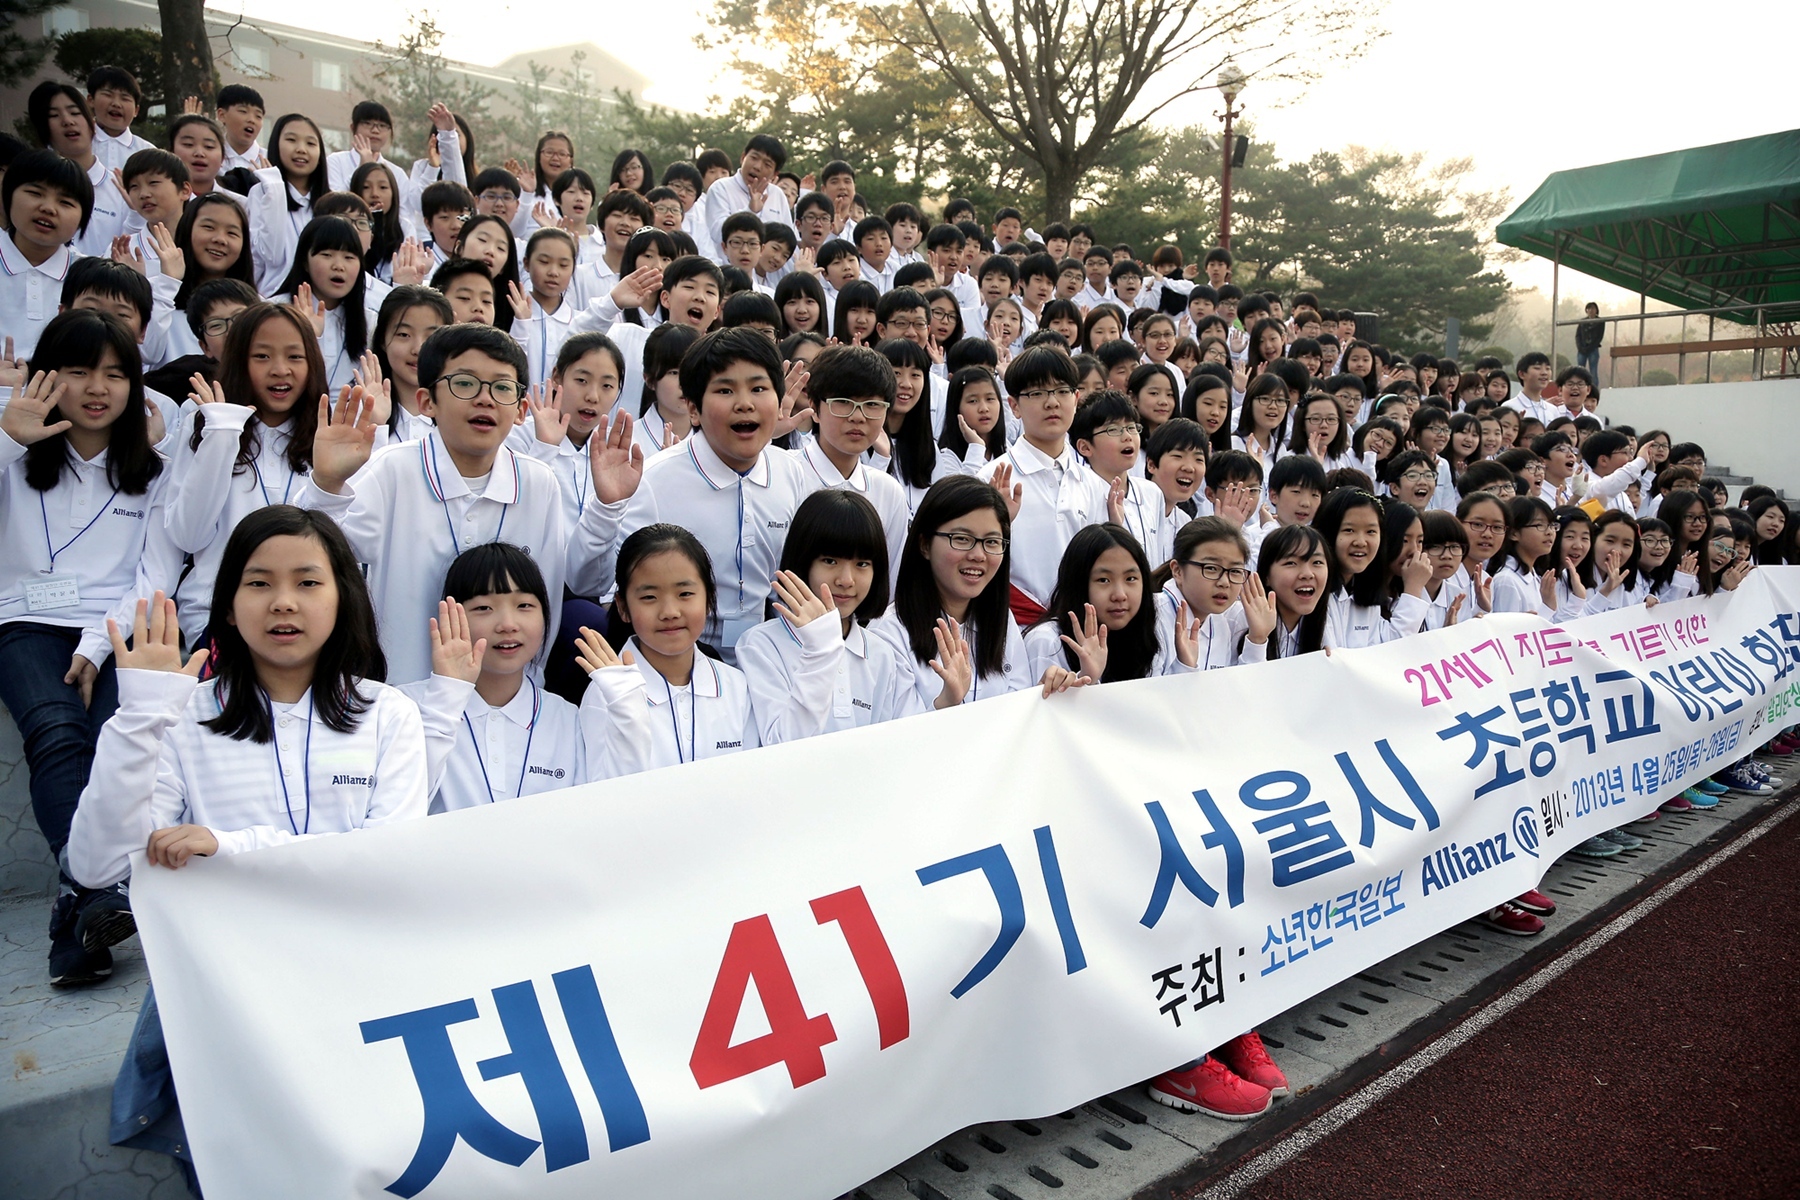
(417, 505)
(853, 389)
(1052, 491)
(371, 130)
(1109, 437)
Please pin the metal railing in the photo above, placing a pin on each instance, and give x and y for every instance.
(1776, 328)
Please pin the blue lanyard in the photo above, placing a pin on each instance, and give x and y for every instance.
(44, 511)
(693, 711)
(305, 774)
(530, 732)
(428, 463)
(286, 489)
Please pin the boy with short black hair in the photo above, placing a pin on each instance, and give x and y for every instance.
(689, 292)
(124, 294)
(776, 263)
(240, 112)
(45, 201)
(1056, 240)
(1081, 239)
(1037, 284)
(445, 207)
(156, 187)
(751, 190)
(908, 228)
(1127, 280)
(853, 389)
(210, 311)
(1058, 493)
(1009, 227)
(116, 99)
(1097, 264)
(1234, 487)
(874, 245)
(1557, 450)
(997, 280)
(371, 131)
(724, 483)
(1534, 371)
(1109, 437)
(1217, 265)
(742, 234)
(1175, 461)
(839, 266)
(420, 504)
(469, 288)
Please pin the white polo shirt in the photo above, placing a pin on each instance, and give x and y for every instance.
(882, 491)
(1061, 497)
(29, 296)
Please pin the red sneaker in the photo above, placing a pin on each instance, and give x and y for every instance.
(1536, 902)
(1211, 1088)
(1509, 918)
(1779, 748)
(1648, 818)
(1677, 804)
(1248, 1059)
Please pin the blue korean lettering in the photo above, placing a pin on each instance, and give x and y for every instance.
(1175, 864)
(1371, 807)
(1074, 959)
(595, 1045)
(1312, 845)
(1623, 722)
(1476, 726)
(997, 869)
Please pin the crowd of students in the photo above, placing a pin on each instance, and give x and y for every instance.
(484, 481)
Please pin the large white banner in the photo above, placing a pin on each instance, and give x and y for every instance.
(780, 973)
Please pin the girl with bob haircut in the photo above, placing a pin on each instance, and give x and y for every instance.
(814, 668)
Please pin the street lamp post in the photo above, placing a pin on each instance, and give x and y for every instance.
(1230, 83)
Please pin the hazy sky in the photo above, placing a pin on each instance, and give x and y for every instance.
(1526, 88)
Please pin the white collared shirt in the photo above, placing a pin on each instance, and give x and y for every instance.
(274, 227)
(71, 556)
(156, 765)
(112, 215)
(1349, 625)
(1061, 497)
(1221, 643)
(247, 160)
(732, 195)
(815, 679)
(742, 520)
(29, 296)
(542, 335)
(920, 686)
(408, 514)
(113, 151)
(881, 491)
(709, 716)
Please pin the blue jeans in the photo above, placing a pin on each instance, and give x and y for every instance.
(1589, 360)
(59, 733)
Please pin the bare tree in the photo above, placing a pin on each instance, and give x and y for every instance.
(1064, 80)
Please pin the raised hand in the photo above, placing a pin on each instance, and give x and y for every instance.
(797, 604)
(968, 432)
(540, 213)
(1012, 493)
(1115, 500)
(1088, 641)
(12, 367)
(952, 665)
(617, 462)
(1547, 588)
(344, 440)
(192, 107)
(168, 254)
(548, 421)
(365, 149)
(633, 290)
(1689, 564)
(593, 654)
(1736, 573)
(367, 374)
(1187, 636)
(122, 251)
(442, 119)
(935, 350)
(155, 640)
(314, 309)
(805, 259)
(521, 303)
(26, 418)
(204, 391)
(1455, 607)
(1612, 572)
(411, 263)
(1415, 573)
(453, 655)
(797, 378)
(1259, 609)
(1483, 586)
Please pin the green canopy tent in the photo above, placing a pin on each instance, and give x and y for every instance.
(1714, 227)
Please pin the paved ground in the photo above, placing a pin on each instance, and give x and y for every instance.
(1666, 1064)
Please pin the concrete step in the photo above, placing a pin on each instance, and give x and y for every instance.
(26, 868)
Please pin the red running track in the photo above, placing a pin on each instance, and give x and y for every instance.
(1665, 1064)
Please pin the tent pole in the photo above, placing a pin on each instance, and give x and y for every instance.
(1555, 285)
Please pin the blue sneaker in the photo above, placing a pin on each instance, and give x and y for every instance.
(1598, 847)
(1740, 780)
(1700, 799)
(1711, 787)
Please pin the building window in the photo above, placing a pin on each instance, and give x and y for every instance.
(330, 76)
(252, 60)
(65, 20)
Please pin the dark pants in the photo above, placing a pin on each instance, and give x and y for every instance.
(59, 733)
(561, 674)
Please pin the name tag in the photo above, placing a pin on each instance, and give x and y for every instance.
(55, 591)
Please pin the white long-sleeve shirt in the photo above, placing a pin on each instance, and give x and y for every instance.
(742, 520)
(706, 717)
(156, 765)
(1220, 636)
(814, 679)
(1349, 625)
(408, 514)
(274, 228)
(30, 296)
(1061, 496)
(71, 556)
(883, 492)
(732, 195)
(920, 685)
(536, 742)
